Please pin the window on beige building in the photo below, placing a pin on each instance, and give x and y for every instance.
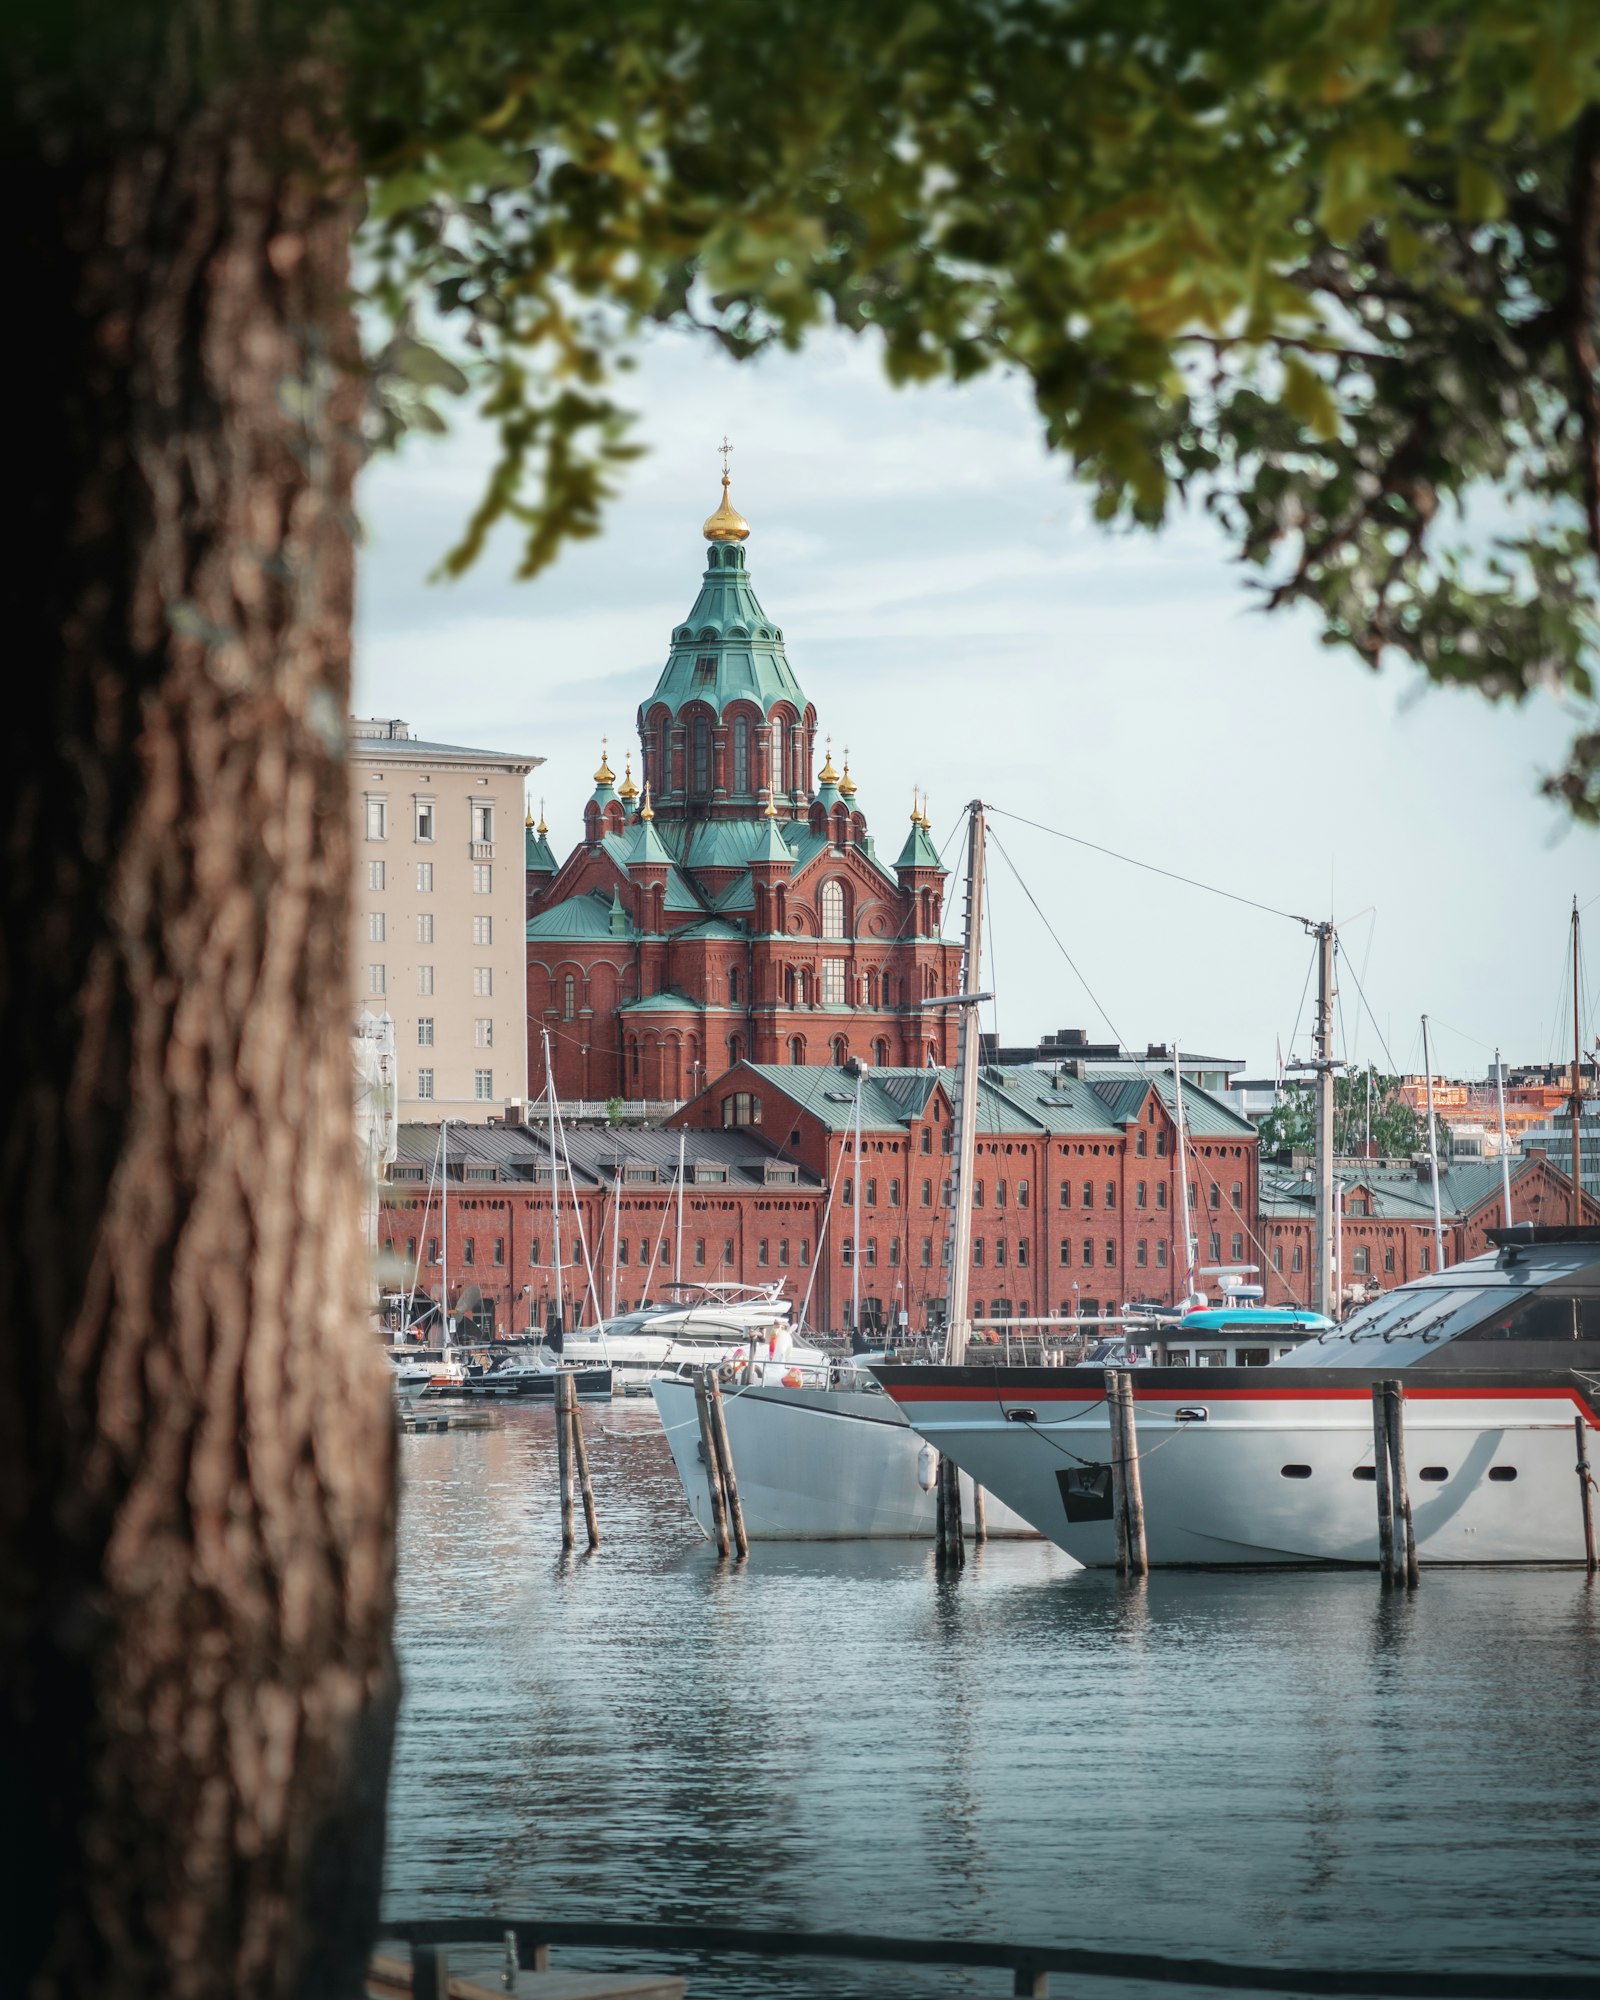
(425, 877)
(482, 878)
(483, 1085)
(375, 927)
(424, 1083)
(374, 874)
(377, 818)
(424, 819)
(482, 982)
(425, 1031)
(377, 979)
(482, 820)
(483, 1032)
(424, 979)
(483, 930)
(425, 927)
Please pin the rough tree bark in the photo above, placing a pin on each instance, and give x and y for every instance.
(196, 1444)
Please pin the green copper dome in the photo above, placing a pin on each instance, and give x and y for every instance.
(727, 648)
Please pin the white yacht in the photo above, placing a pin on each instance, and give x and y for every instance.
(1274, 1464)
(828, 1460)
(710, 1325)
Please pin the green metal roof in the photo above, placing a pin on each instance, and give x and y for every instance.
(919, 850)
(536, 853)
(1397, 1193)
(728, 629)
(580, 918)
(1207, 1117)
(671, 1002)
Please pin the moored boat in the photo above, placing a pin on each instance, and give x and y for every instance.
(1274, 1465)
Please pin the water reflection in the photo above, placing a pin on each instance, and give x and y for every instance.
(1295, 1766)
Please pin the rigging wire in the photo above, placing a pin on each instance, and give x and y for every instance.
(1190, 881)
(1394, 1067)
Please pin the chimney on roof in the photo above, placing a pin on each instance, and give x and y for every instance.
(1072, 1038)
(1156, 1050)
(513, 1111)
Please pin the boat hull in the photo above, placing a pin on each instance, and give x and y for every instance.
(1271, 1475)
(535, 1385)
(818, 1465)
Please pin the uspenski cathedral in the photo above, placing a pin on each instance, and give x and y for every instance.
(730, 903)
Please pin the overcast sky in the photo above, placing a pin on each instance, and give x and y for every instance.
(962, 625)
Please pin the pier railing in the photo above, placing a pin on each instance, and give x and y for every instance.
(527, 1942)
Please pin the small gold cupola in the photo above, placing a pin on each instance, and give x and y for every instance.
(727, 524)
(828, 775)
(628, 789)
(605, 775)
(847, 784)
(645, 810)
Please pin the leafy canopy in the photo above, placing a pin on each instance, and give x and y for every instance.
(1398, 1132)
(1328, 269)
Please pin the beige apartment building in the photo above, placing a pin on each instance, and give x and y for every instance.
(440, 916)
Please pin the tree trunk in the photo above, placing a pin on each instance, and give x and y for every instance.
(196, 1444)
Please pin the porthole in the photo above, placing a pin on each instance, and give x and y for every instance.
(1501, 1473)
(1365, 1472)
(1433, 1473)
(1296, 1471)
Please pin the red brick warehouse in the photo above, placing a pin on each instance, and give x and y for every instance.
(732, 907)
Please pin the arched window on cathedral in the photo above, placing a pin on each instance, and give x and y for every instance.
(788, 986)
(741, 755)
(833, 909)
(569, 997)
(872, 989)
(702, 756)
(779, 782)
(735, 1050)
(880, 1052)
(797, 1048)
(733, 986)
(805, 987)
(840, 1050)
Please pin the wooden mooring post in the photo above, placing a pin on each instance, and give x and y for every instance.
(1405, 1555)
(708, 1451)
(1387, 1569)
(980, 1518)
(570, 1418)
(725, 1471)
(1127, 1486)
(1580, 1431)
(949, 1538)
(564, 1463)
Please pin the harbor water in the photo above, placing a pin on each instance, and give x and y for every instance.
(1291, 1768)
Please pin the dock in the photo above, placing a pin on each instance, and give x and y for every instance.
(391, 1979)
(420, 1422)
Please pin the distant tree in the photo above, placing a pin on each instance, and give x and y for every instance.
(1330, 273)
(1397, 1130)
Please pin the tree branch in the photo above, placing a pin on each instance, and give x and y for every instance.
(1583, 291)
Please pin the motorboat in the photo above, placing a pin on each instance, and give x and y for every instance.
(1274, 1464)
(1214, 1337)
(710, 1325)
(530, 1374)
(826, 1459)
(410, 1378)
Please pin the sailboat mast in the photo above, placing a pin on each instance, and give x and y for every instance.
(555, 1182)
(616, 1232)
(1505, 1157)
(1323, 1294)
(1183, 1179)
(1577, 1082)
(444, 1229)
(677, 1260)
(1433, 1152)
(855, 1223)
(958, 1330)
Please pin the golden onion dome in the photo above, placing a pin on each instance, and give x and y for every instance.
(605, 775)
(528, 820)
(847, 784)
(628, 789)
(828, 775)
(727, 524)
(645, 811)
(541, 828)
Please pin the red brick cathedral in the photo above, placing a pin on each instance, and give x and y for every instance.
(729, 907)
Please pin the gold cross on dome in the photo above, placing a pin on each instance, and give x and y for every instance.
(724, 448)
